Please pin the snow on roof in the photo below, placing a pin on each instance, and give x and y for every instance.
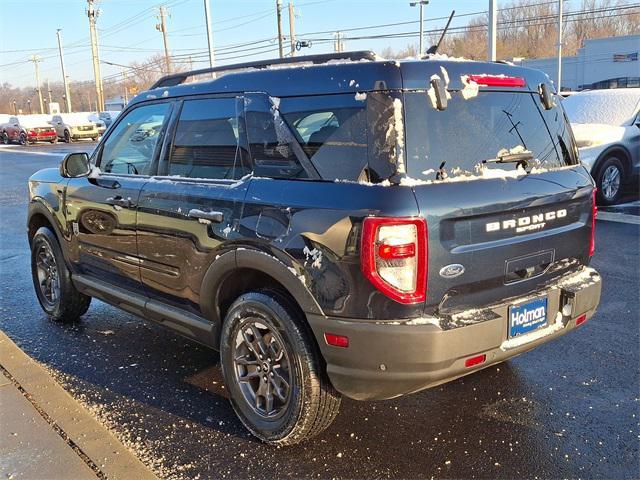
(608, 107)
(35, 120)
(77, 118)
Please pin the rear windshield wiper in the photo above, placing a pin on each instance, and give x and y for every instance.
(520, 158)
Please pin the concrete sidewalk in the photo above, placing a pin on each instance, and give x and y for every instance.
(45, 433)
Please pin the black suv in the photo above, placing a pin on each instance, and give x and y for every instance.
(336, 225)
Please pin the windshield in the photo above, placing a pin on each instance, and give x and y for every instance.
(480, 128)
(609, 107)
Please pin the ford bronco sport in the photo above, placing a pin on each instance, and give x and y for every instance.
(338, 225)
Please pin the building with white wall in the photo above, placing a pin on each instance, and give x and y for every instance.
(611, 62)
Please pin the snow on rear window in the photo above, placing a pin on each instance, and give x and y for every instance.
(609, 107)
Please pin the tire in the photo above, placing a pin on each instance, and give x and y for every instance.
(609, 181)
(67, 137)
(5, 138)
(56, 294)
(54, 141)
(23, 139)
(304, 404)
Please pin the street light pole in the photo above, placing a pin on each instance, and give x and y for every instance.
(493, 26)
(559, 45)
(207, 15)
(64, 74)
(421, 4)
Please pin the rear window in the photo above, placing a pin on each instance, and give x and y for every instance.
(473, 130)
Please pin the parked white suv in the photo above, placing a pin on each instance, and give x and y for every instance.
(606, 125)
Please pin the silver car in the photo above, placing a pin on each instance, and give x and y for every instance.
(606, 125)
(74, 126)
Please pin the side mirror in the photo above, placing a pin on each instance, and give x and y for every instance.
(75, 165)
(546, 96)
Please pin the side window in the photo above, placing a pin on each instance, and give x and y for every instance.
(332, 132)
(270, 141)
(131, 146)
(210, 141)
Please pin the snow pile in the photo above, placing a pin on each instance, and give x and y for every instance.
(424, 321)
(610, 107)
(470, 89)
(398, 126)
(94, 172)
(581, 279)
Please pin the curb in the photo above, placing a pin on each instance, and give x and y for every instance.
(618, 217)
(92, 442)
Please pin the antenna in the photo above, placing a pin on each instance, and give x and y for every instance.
(434, 48)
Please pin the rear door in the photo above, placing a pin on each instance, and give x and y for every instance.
(189, 213)
(496, 231)
(102, 208)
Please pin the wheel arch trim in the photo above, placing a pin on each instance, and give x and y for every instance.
(254, 259)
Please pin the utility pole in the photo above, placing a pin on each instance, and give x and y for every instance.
(93, 14)
(280, 37)
(124, 84)
(421, 4)
(67, 95)
(338, 44)
(559, 87)
(292, 28)
(49, 91)
(493, 27)
(207, 15)
(162, 28)
(36, 60)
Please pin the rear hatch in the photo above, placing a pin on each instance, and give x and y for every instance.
(496, 230)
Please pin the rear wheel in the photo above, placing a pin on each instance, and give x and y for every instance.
(609, 181)
(5, 138)
(52, 280)
(273, 370)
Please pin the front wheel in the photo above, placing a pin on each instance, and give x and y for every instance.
(609, 181)
(5, 138)
(23, 139)
(67, 137)
(56, 293)
(272, 368)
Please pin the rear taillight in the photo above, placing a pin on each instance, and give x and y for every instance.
(394, 257)
(497, 80)
(594, 214)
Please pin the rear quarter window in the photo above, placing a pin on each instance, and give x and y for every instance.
(332, 131)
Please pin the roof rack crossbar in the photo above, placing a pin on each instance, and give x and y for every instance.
(179, 78)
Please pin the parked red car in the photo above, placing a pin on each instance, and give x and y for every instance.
(25, 129)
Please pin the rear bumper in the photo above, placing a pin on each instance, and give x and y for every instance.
(388, 359)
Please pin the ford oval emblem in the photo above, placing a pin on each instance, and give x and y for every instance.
(452, 271)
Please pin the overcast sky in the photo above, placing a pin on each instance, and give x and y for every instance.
(127, 30)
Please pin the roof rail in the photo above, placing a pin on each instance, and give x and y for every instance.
(179, 78)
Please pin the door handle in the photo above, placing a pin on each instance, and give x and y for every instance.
(105, 182)
(215, 217)
(120, 202)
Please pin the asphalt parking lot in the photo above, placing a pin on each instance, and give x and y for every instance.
(570, 408)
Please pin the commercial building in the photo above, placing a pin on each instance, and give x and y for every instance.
(601, 63)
